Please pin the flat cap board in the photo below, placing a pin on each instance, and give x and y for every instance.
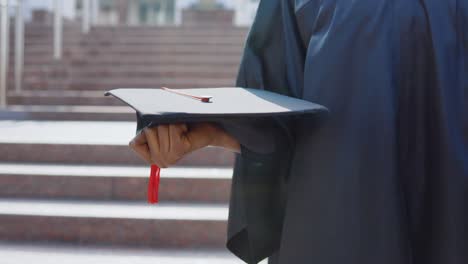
(182, 105)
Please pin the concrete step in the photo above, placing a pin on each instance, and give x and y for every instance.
(133, 61)
(102, 36)
(108, 84)
(14, 253)
(132, 76)
(135, 225)
(127, 50)
(61, 97)
(125, 183)
(108, 75)
(204, 56)
(162, 59)
(97, 30)
(147, 48)
(84, 142)
(122, 81)
(188, 71)
(180, 48)
(63, 83)
(132, 64)
(67, 112)
(32, 31)
(110, 39)
(156, 40)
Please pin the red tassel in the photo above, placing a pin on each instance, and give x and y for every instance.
(153, 184)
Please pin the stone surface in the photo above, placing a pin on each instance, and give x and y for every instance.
(57, 254)
(101, 154)
(85, 143)
(77, 133)
(123, 224)
(105, 48)
(204, 185)
(89, 200)
(45, 97)
(67, 112)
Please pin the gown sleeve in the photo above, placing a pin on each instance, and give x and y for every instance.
(263, 66)
(260, 173)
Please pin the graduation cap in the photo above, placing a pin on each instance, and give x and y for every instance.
(163, 106)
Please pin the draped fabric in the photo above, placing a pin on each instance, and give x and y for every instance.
(384, 177)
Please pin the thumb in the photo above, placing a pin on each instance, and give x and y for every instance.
(201, 135)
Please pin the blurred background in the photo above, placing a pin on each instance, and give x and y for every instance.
(71, 191)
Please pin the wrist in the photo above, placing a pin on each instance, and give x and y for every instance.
(225, 140)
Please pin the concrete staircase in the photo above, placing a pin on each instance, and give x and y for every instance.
(71, 191)
(117, 57)
(57, 254)
(141, 57)
(76, 185)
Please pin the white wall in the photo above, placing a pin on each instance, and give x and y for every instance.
(68, 7)
(245, 12)
(179, 6)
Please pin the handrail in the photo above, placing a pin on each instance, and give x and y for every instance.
(19, 45)
(85, 16)
(4, 55)
(58, 30)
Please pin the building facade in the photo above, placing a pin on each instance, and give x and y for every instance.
(142, 12)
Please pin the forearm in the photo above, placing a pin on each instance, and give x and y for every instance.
(262, 135)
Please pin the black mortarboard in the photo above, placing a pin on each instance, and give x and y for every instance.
(158, 106)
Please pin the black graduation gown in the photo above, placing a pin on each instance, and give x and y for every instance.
(384, 178)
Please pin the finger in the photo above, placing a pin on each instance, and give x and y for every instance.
(175, 149)
(200, 135)
(143, 151)
(138, 144)
(178, 128)
(139, 139)
(164, 140)
(179, 143)
(154, 147)
(183, 127)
